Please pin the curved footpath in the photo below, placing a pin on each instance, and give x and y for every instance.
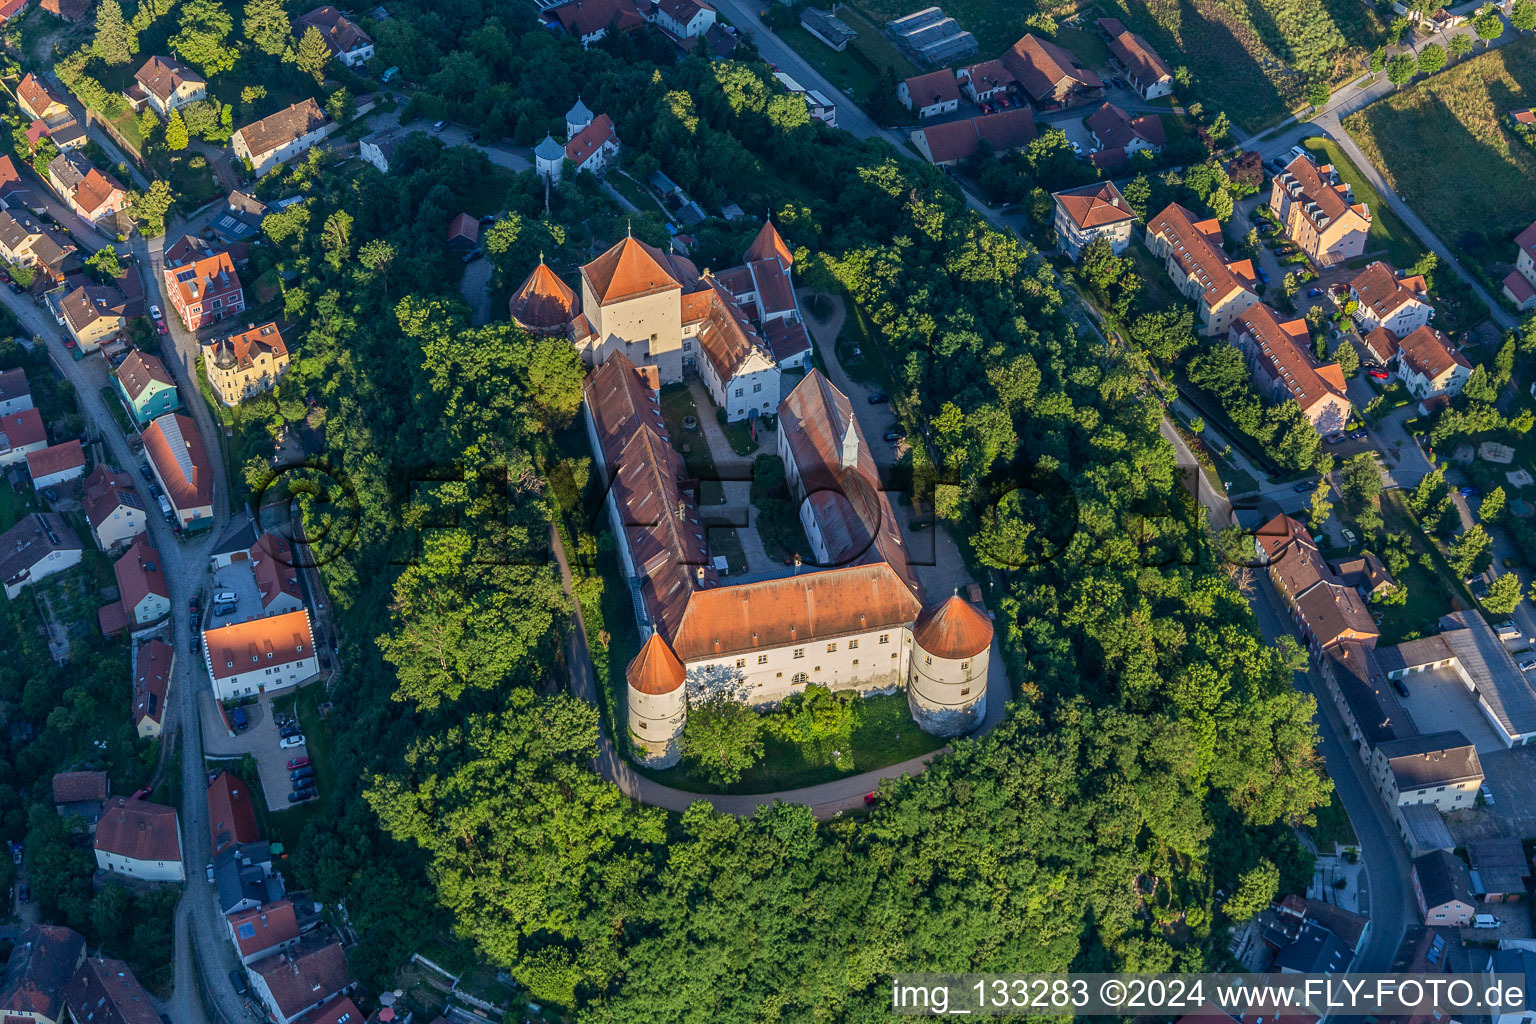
(826, 800)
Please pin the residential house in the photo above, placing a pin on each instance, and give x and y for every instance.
(1365, 572)
(986, 81)
(1380, 346)
(55, 464)
(1089, 212)
(594, 147)
(1050, 75)
(1279, 355)
(1146, 72)
(1193, 257)
(1443, 889)
(178, 462)
(280, 137)
(169, 85)
(80, 795)
(463, 232)
(1386, 299)
(106, 992)
(10, 9)
(591, 20)
(1501, 872)
(1520, 966)
(828, 27)
(38, 546)
(243, 878)
(43, 960)
(1442, 769)
(684, 19)
(112, 507)
(141, 840)
(202, 284)
(1327, 612)
(931, 38)
(1430, 365)
(1318, 212)
(276, 573)
(738, 369)
(379, 148)
(146, 385)
(929, 95)
(67, 10)
(21, 433)
(15, 391)
(270, 653)
(241, 219)
(1316, 950)
(342, 1010)
(143, 597)
(26, 243)
(231, 814)
(350, 44)
(245, 364)
(39, 100)
(152, 666)
(299, 979)
(93, 314)
(1520, 284)
(92, 195)
(1370, 709)
(947, 144)
(260, 932)
(1120, 136)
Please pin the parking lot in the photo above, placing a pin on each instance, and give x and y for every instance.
(1438, 700)
(236, 578)
(1511, 778)
(260, 740)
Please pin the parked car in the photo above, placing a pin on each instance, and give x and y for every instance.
(237, 979)
(878, 398)
(24, 893)
(16, 852)
(439, 126)
(1358, 435)
(1303, 487)
(1470, 492)
(1527, 664)
(160, 327)
(1380, 374)
(210, 872)
(193, 645)
(300, 774)
(289, 742)
(1487, 795)
(894, 435)
(192, 605)
(154, 312)
(473, 255)
(238, 719)
(1313, 293)
(301, 794)
(289, 730)
(1401, 687)
(50, 494)
(1348, 535)
(1263, 275)
(297, 762)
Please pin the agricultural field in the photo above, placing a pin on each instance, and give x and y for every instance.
(1443, 145)
(1251, 58)
(857, 69)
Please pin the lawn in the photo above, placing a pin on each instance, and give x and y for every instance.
(1443, 146)
(14, 505)
(677, 402)
(885, 735)
(1431, 595)
(852, 71)
(1333, 827)
(1388, 235)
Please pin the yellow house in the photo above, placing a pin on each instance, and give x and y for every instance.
(1318, 212)
(245, 364)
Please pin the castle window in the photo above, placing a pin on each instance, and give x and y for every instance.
(800, 679)
(853, 645)
(756, 388)
(642, 725)
(831, 648)
(762, 659)
(885, 638)
(964, 691)
(741, 662)
(778, 675)
(799, 652)
(964, 665)
(927, 659)
(738, 392)
(855, 662)
(687, 346)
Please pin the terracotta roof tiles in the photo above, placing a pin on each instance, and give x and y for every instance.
(544, 302)
(655, 670)
(1095, 205)
(139, 830)
(953, 629)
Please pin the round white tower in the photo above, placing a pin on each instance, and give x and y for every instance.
(577, 118)
(947, 681)
(658, 704)
(549, 159)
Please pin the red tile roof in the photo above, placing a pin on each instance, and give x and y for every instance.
(590, 139)
(1040, 65)
(38, 972)
(139, 370)
(1196, 247)
(56, 459)
(106, 992)
(265, 927)
(201, 280)
(932, 89)
(171, 442)
(1380, 288)
(287, 125)
(138, 830)
(1317, 185)
(769, 245)
(1132, 51)
(1425, 350)
(240, 350)
(342, 1010)
(151, 680)
(1116, 129)
(989, 76)
(1095, 205)
(21, 428)
(79, 787)
(37, 95)
(954, 630)
(655, 670)
(10, 8)
(544, 302)
(275, 640)
(627, 271)
(1005, 130)
(341, 33)
(98, 191)
(273, 565)
(583, 18)
(304, 976)
(464, 227)
(162, 76)
(1526, 240)
(139, 574)
(1285, 347)
(231, 814)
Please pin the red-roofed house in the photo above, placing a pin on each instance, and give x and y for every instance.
(143, 597)
(33, 983)
(982, 82)
(1279, 357)
(264, 931)
(932, 94)
(1093, 211)
(296, 981)
(140, 839)
(1318, 212)
(463, 232)
(351, 45)
(595, 146)
(684, 19)
(204, 289)
(591, 20)
(152, 666)
(112, 506)
(1520, 285)
(1148, 73)
(231, 814)
(261, 655)
(1121, 136)
(1384, 298)
(178, 462)
(1430, 365)
(1049, 74)
(55, 464)
(342, 1010)
(21, 433)
(10, 8)
(1197, 265)
(948, 144)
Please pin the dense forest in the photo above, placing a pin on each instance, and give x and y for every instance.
(1157, 748)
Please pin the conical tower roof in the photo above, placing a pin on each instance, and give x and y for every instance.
(549, 149)
(579, 114)
(768, 245)
(655, 669)
(544, 302)
(953, 629)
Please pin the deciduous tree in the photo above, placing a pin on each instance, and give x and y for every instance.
(266, 26)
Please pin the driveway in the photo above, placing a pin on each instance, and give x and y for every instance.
(261, 741)
(476, 290)
(876, 420)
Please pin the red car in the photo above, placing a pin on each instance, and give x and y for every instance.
(1002, 103)
(1380, 374)
(297, 762)
(160, 326)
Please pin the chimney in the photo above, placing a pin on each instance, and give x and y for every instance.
(1115, 202)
